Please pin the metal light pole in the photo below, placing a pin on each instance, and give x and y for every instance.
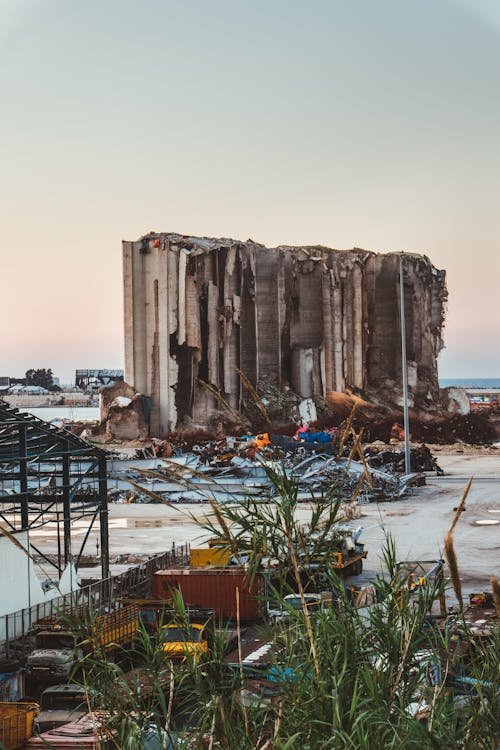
(404, 367)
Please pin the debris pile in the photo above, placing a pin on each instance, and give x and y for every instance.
(475, 428)
(234, 469)
(421, 459)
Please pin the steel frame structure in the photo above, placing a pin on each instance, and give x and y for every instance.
(48, 475)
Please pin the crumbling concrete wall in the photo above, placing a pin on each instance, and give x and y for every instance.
(122, 412)
(311, 318)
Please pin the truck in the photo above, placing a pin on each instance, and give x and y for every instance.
(16, 723)
(347, 558)
(349, 563)
(283, 611)
(181, 640)
(55, 656)
(60, 704)
(483, 403)
(179, 634)
(58, 649)
(344, 557)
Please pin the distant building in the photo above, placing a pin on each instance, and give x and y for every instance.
(92, 380)
(4, 383)
(27, 390)
(17, 381)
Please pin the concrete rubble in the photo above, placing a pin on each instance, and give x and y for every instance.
(228, 471)
(456, 400)
(122, 412)
(209, 320)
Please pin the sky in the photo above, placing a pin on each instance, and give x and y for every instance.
(370, 123)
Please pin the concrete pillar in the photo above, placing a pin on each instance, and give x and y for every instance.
(163, 341)
(168, 393)
(141, 381)
(358, 367)
(268, 330)
(327, 351)
(231, 344)
(338, 334)
(128, 311)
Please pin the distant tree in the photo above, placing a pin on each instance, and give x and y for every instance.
(41, 377)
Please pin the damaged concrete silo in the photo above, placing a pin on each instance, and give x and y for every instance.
(309, 318)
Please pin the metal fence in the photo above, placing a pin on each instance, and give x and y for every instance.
(101, 595)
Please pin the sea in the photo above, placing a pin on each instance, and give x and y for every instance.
(486, 383)
(72, 413)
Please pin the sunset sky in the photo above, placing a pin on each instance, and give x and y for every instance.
(370, 123)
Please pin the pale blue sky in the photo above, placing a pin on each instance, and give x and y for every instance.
(371, 123)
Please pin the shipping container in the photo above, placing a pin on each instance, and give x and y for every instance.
(16, 723)
(213, 588)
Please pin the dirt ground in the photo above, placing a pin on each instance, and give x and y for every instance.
(418, 523)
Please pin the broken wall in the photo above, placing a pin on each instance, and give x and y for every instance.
(310, 318)
(123, 412)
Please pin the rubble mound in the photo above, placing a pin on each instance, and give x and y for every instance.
(474, 428)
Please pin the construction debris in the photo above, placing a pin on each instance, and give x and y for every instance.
(475, 428)
(234, 470)
(123, 413)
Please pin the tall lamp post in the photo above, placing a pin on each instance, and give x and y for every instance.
(404, 367)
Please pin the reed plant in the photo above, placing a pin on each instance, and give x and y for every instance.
(381, 678)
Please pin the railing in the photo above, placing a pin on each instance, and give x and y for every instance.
(103, 594)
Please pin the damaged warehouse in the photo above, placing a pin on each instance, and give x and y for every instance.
(308, 319)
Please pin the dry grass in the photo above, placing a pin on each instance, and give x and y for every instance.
(449, 550)
(461, 506)
(495, 587)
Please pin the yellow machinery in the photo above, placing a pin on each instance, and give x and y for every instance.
(202, 557)
(418, 574)
(179, 641)
(16, 723)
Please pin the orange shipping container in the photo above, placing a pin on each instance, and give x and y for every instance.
(213, 588)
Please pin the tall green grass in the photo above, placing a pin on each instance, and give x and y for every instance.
(341, 678)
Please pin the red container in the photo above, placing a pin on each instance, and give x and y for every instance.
(213, 588)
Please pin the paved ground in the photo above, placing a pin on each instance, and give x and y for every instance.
(418, 524)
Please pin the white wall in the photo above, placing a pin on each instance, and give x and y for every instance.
(19, 585)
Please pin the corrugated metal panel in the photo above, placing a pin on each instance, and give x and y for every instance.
(214, 589)
(82, 734)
